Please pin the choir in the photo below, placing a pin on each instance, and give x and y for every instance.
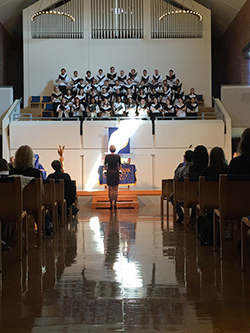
(120, 95)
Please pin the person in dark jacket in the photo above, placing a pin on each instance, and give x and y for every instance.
(69, 186)
(241, 164)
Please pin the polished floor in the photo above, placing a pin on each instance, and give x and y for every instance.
(124, 272)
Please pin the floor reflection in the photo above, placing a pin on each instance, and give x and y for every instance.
(123, 272)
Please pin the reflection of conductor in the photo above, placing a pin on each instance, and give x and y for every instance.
(113, 242)
(112, 165)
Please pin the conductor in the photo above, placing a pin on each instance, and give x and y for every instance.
(112, 165)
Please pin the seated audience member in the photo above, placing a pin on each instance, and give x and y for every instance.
(56, 97)
(241, 164)
(119, 107)
(171, 78)
(157, 77)
(143, 110)
(183, 168)
(63, 109)
(105, 109)
(4, 167)
(100, 77)
(69, 187)
(122, 78)
(88, 78)
(182, 171)
(77, 109)
(200, 161)
(180, 109)
(111, 76)
(155, 109)
(62, 81)
(133, 76)
(23, 165)
(192, 109)
(93, 109)
(74, 81)
(69, 97)
(168, 109)
(217, 164)
(131, 108)
(11, 162)
(145, 76)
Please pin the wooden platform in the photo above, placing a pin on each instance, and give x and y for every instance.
(123, 201)
(126, 198)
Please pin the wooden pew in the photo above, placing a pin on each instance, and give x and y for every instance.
(49, 201)
(11, 198)
(178, 186)
(234, 202)
(191, 197)
(59, 187)
(32, 203)
(166, 190)
(208, 194)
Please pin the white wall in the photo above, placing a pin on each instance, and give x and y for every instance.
(189, 58)
(155, 157)
(236, 100)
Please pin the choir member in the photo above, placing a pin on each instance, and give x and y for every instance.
(56, 97)
(131, 108)
(111, 76)
(88, 78)
(177, 85)
(178, 94)
(105, 109)
(155, 109)
(165, 95)
(192, 94)
(62, 81)
(122, 78)
(80, 85)
(143, 110)
(104, 95)
(94, 84)
(119, 107)
(171, 78)
(145, 76)
(74, 81)
(82, 97)
(100, 77)
(93, 94)
(117, 86)
(133, 76)
(141, 95)
(153, 94)
(69, 97)
(180, 109)
(93, 109)
(168, 109)
(157, 77)
(192, 108)
(63, 109)
(77, 109)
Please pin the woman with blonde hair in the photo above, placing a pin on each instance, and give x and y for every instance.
(23, 164)
(112, 165)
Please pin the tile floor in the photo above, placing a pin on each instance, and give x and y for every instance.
(124, 272)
